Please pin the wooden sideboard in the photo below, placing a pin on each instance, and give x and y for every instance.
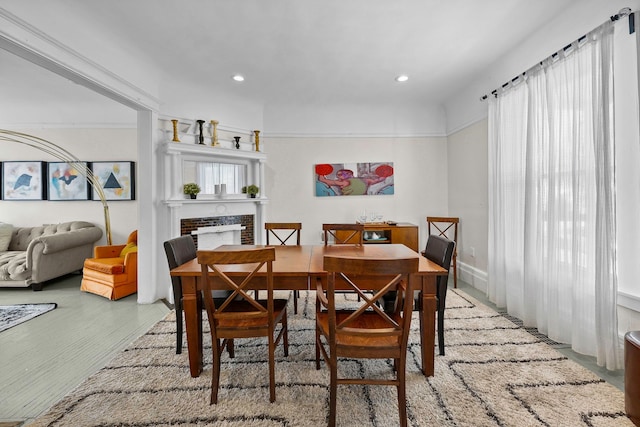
(402, 232)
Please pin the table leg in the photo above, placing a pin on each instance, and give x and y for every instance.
(193, 324)
(428, 323)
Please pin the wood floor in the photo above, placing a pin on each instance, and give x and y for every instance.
(45, 358)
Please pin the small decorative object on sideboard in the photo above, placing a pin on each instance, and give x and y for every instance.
(192, 189)
(257, 139)
(237, 138)
(214, 133)
(175, 131)
(201, 136)
(251, 190)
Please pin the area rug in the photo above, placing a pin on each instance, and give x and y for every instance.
(12, 315)
(494, 373)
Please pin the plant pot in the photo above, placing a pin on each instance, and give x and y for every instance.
(193, 196)
(253, 196)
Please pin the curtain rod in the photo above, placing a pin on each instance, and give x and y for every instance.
(625, 11)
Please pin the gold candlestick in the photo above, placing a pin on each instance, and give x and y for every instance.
(214, 133)
(175, 131)
(257, 139)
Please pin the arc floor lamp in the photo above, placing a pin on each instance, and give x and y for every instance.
(63, 155)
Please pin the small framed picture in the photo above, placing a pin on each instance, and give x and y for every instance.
(65, 182)
(23, 180)
(117, 180)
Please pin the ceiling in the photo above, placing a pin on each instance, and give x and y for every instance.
(291, 51)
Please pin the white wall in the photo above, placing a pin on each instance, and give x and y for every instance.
(382, 119)
(87, 145)
(468, 196)
(421, 186)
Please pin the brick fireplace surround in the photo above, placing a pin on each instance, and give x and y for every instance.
(187, 225)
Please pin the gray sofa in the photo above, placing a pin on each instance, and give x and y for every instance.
(38, 254)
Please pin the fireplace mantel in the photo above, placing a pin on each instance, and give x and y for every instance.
(208, 205)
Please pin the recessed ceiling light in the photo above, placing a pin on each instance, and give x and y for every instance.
(238, 77)
(402, 78)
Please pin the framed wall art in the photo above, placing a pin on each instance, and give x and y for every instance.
(117, 179)
(66, 183)
(354, 179)
(23, 180)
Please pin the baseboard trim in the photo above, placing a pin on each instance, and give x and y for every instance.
(473, 276)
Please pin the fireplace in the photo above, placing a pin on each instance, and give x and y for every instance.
(246, 222)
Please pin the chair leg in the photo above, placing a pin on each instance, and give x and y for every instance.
(402, 395)
(285, 333)
(295, 302)
(333, 393)
(272, 370)
(317, 349)
(215, 375)
(442, 297)
(178, 306)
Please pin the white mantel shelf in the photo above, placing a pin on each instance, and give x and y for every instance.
(209, 151)
(180, 202)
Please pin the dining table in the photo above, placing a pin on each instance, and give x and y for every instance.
(298, 268)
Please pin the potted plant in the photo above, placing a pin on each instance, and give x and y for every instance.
(251, 190)
(192, 189)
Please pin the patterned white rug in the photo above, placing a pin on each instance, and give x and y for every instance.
(12, 315)
(494, 373)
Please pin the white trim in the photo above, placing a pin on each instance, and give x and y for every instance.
(473, 276)
(75, 125)
(282, 135)
(28, 42)
(468, 123)
(629, 301)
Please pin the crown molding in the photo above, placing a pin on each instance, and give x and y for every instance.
(28, 42)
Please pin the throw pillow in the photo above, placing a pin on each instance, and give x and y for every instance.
(6, 231)
(130, 247)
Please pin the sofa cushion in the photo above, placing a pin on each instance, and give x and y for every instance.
(105, 265)
(13, 266)
(6, 231)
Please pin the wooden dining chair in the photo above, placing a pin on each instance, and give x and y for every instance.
(446, 227)
(178, 251)
(439, 250)
(285, 233)
(364, 330)
(343, 234)
(241, 315)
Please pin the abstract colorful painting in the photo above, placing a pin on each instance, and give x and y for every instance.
(66, 182)
(23, 181)
(354, 179)
(117, 179)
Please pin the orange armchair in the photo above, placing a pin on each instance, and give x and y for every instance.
(113, 272)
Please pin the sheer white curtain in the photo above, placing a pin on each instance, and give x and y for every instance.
(552, 200)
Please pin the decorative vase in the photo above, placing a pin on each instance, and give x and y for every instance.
(214, 133)
(237, 138)
(200, 137)
(175, 131)
(257, 139)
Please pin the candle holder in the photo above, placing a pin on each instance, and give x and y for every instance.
(214, 133)
(201, 136)
(237, 138)
(257, 139)
(175, 131)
